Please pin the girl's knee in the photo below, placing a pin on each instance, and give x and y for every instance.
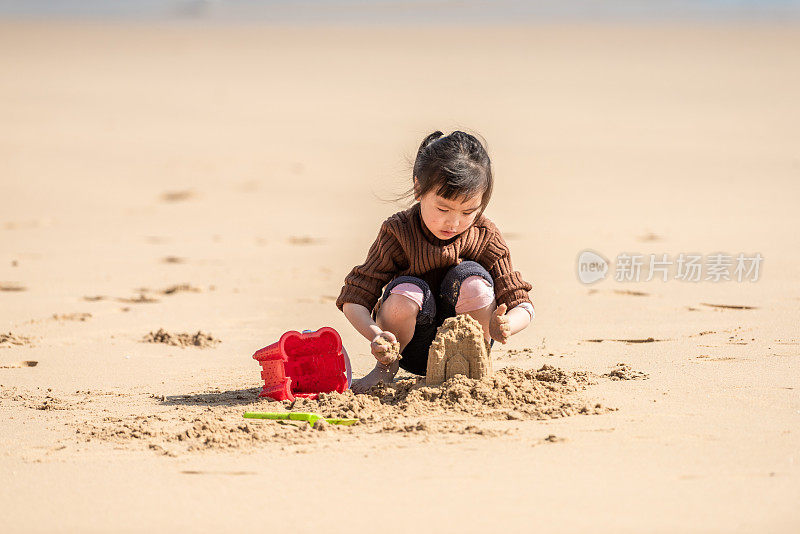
(475, 293)
(399, 306)
(468, 268)
(455, 278)
(411, 291)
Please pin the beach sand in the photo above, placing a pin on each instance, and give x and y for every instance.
(218, 182)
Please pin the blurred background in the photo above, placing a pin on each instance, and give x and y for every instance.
(402, 11)
(260, 141)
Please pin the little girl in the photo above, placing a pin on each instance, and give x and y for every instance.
(439, 258)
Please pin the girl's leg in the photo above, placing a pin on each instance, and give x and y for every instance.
(398, 312)
(468, 288)
(477, 299)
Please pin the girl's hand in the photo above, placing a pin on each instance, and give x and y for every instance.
(499, 327)
(385, 348)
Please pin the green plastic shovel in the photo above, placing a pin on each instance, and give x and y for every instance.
(311, 418)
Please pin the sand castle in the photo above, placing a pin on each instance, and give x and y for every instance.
(459, 348)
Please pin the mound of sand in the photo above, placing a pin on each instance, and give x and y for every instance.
(460, 405)
(198, 339)
(193, 434)
(8, 339)
(623, 371)
(527, 394)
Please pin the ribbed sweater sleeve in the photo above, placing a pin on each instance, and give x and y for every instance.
(509, 287)
(364, 283)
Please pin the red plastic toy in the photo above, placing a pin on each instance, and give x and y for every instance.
(304, 365)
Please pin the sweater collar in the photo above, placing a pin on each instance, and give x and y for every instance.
(427, 233)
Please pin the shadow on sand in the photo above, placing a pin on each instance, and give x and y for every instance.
(234, 397)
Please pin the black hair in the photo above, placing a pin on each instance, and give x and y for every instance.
(454, 166)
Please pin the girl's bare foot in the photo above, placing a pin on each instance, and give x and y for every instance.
(381, 373)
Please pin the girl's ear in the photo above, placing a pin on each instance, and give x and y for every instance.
(416, 188)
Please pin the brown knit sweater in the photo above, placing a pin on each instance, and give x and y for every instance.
(405, 246)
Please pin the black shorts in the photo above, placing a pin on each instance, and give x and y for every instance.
(436, 307)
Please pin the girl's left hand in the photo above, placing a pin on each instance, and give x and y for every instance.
(499, 327)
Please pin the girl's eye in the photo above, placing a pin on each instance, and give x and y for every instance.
(443, 211)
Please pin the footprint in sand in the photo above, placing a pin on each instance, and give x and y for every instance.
(18, 365)
(628, 292)
(12, 286)
(228, 473)
(304, 240)
(19, 225)
(729, 306)
(631, 293)
(9, 339)
(511, 236)
(629, 341)
(551, 438)
(178, 196)
(141, 299)
(144, 297)
(71, 316)
(173, 259)
(703, 333)
(649, 237)
(518, 353)
(178, 288)
(707, 358)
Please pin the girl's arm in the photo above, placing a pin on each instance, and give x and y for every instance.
(505, 324)
(361, 319)
(518, 319)
(509, 286)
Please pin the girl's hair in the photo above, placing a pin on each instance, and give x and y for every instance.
(454, 166)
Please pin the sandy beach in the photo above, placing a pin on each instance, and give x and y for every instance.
(223, 179)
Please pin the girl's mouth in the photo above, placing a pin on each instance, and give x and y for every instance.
(448, 234)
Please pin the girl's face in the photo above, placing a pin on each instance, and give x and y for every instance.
(447, 218)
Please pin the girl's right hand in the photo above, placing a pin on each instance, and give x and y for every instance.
(383, 351)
